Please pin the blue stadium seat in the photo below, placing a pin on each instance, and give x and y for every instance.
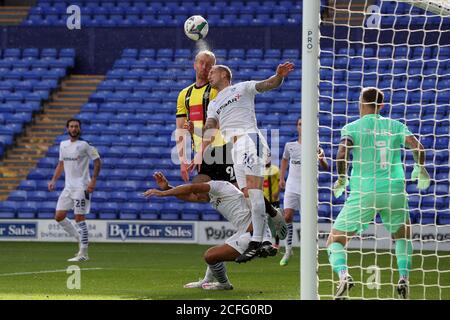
(18, 195)
(37, 196)
(28, 185)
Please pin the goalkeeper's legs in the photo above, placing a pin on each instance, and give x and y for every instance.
(337, 257)
(403, 253)
(395, 219)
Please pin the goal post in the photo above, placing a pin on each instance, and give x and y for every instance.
(401, 47)
(310, 100)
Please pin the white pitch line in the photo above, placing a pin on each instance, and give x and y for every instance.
(40, 272)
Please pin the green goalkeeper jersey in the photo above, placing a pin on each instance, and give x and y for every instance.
(377, 164)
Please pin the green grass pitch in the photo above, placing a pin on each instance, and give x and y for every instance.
(31, 270)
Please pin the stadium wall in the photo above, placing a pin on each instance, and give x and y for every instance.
(425, 237)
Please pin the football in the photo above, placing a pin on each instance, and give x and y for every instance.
(196, 28)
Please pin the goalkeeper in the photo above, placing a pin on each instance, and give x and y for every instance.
(377, 184)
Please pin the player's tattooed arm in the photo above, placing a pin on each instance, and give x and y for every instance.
(417, 149)
(277, 79)
(343, 156)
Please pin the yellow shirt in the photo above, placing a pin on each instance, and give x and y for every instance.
(195, 110)
(271, 183)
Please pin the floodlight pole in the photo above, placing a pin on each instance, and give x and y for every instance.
(310, 80)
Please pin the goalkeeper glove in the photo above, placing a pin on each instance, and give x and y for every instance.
(422, 175)
(340, 185)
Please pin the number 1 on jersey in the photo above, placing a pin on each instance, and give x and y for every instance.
(381, 147)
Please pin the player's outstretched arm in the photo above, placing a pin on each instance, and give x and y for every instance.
(341, 159)
(161, 181)
(58, 171)
(187, 192)
(277, 79)
(419, 171)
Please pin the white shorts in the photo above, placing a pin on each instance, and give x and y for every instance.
(291, 201)
(240, 240)
(77, 200)
(249, 157)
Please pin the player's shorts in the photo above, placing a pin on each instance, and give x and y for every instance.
(240, 240)
(218, 164)
(291, 201)
(77, 200)
(360, 209)
(250, 155)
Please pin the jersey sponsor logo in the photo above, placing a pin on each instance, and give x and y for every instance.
(296, 162)
(236, 98)
(196, 113)
(18, 230)
(151, 231)
(71, 159)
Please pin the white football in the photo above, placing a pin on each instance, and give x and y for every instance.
(196, 28)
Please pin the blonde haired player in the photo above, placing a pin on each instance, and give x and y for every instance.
(233, 111)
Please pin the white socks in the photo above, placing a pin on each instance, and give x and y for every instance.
(69, 227)
(256, 197)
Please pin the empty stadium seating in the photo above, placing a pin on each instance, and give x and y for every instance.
(167, 13)
(27, 77)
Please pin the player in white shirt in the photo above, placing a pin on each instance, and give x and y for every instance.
(292, 159)
(74, 157)
(233, 111)
(231, 203)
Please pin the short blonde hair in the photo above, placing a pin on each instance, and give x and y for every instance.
(227, 70)
(208, 53)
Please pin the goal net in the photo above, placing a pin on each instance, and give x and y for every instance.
(402, 48)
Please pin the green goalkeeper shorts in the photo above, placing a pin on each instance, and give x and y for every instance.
(360, 209)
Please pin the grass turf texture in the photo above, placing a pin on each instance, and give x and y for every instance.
(158, 271)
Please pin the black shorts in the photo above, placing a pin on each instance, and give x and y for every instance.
(218, 163)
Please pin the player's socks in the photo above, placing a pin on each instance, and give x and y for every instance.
(277, 241)
(219, 271)
(270, 209)
(209, 277)
(256, 197)
(289, 236)
(338, 258)
(403, 252)
(84, 242)
(69, 227)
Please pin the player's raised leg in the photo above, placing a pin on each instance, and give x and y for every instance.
(256, 196)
